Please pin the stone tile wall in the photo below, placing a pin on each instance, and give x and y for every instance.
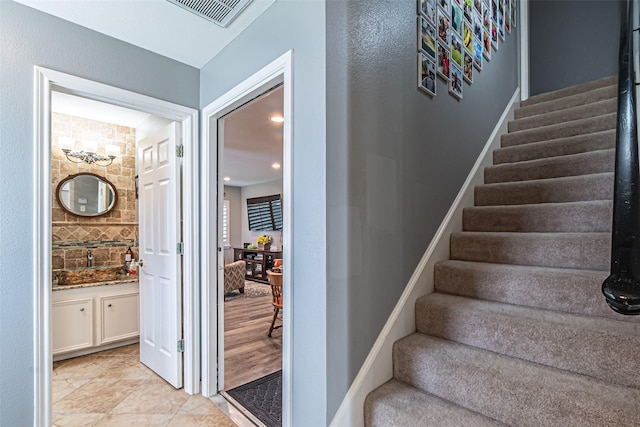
(107, 236)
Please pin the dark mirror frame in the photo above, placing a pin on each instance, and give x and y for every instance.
(101, 178)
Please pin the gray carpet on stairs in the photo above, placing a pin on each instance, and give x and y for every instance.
(518, 332)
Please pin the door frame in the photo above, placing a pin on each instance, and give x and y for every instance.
(278, 71)
(46, 80)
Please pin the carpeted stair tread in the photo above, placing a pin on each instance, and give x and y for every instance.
(588, 251)
(560, 130)
(556, 147)
(553, 190)
(572, 90)
(596, 347)
(594, 95)
(511, 390)
(398, 404)
(569, 217)
(592, 162)
(559, 289)
(565, 115)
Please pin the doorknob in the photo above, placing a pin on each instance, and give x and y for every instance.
(141, 263)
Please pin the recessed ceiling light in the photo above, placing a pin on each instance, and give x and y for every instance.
(277, 119)
(226, 178)
(276, 165)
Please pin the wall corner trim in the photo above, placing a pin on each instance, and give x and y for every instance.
(378, 366)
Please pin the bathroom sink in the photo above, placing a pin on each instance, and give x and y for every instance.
(74, 276)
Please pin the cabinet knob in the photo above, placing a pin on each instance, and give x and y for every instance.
(82, 309)
(109, 305)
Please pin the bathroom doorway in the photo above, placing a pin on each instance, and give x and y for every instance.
(108, 329)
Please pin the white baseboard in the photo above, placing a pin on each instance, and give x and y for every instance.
(378, 366)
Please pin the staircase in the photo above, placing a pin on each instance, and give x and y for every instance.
(518, 332)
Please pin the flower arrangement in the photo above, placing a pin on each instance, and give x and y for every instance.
(265, 239)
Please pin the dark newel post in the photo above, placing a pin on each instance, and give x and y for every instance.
(622, 287)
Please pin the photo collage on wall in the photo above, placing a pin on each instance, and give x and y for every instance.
(456, 37)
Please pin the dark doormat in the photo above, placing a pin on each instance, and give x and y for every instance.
(262, 397)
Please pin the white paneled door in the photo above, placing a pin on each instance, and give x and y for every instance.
(160, 271)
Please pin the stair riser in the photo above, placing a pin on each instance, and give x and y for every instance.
(574, 218)
(559, 147)
(577, 100)
(547, 341)
(564, 130)
(560, 290)
(583, 188)
(573, 90)
(574, 165)
(511, 391)
(566, 115)
(589, 251)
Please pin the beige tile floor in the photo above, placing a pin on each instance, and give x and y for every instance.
(112, 388)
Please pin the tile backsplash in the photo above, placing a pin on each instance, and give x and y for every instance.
(108, 236)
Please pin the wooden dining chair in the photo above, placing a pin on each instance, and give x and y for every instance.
(275, 280)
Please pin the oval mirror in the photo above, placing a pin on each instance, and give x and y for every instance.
(86, 194)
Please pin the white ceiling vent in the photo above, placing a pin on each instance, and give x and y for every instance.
(220, 12)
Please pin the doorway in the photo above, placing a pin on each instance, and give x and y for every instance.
(279, 72)
(47, 82)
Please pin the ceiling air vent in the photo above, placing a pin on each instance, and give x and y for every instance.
(220, 12)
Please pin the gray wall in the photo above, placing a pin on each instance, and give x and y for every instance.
(297, 25)
(572, 42)
(396, 159)
(32, 38)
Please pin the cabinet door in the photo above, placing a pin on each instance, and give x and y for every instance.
(72, 325)
(119, 317)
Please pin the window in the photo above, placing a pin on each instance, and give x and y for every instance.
(265, 213)
(225, 223)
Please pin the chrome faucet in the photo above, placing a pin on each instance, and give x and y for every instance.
(89, 258)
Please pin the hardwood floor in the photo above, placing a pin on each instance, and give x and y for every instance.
(248, 353)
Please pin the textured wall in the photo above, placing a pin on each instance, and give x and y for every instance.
(31, 38)
(396, 159)
(572, 42)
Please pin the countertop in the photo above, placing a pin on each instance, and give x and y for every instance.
(91, 285)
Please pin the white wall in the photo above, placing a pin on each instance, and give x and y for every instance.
(259, 190)
(232, 194)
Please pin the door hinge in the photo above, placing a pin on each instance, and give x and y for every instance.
(180, 248)
(180, 346)
(180, 150)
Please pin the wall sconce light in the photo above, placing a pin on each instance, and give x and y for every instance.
(88, 154)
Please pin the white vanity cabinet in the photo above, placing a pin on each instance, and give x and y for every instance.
(94, 318)
(75, 320)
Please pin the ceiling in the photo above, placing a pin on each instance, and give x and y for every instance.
(252, 142)
(156, 25)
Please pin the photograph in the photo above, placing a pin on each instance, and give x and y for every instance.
(513, 14)
(507, 16)
(477, 53)
(428, 9)
(468, 10)
(455, 81)
(468, 67)
(494, 36)
(494, 10)
(486, 18)
(477, 26)
(427, 38)
(444, 28)
(501, 19)
(486, 45)
(443, 63)
(477, 4)
(445, 5)
(468, 37)
(456, 50)
(426, 74)
(456, 19)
